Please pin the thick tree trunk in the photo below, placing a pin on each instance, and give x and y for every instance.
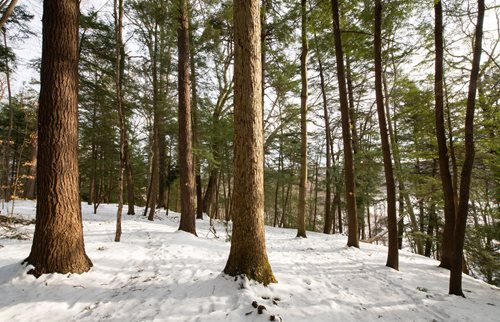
(465, 176)
(58, 245)
(444, 170)
(248, 250)
(352, 217)
(187, 222)
(392, 257)
(301, 218)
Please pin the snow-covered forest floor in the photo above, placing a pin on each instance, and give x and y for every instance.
(157, 273)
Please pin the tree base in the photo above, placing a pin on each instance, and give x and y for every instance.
(82, 265)
(260, 272)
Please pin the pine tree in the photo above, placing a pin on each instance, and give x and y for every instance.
(58, 245)
(465, 176)
(187, 222)
(301, 226)
(248, 254)
(444, 170)
(118, 15)
(392, 258)
(352, 217)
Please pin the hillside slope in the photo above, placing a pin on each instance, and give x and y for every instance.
(160, 274)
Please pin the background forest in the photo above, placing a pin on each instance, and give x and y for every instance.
(149, 72)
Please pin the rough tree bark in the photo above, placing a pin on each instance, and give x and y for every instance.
(444, 170)
(58, 245)
(352, 217)
(465, 176)
(187, 222)
(392, 258)
(248, 250)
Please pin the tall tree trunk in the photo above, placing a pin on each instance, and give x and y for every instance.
(165, 67)
(155, 159)
(196, 124)
(465, 176)
(328, 214)
(352, 110)
(444, 170)
(392, 257)
(352, 217)
(93, 147)
(8, 140)
(301, 218)
(187, 222)
(453, 156)
(118, 15)
(248, 250)
(58, 245)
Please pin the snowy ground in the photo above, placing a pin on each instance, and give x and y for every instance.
(160, 274)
